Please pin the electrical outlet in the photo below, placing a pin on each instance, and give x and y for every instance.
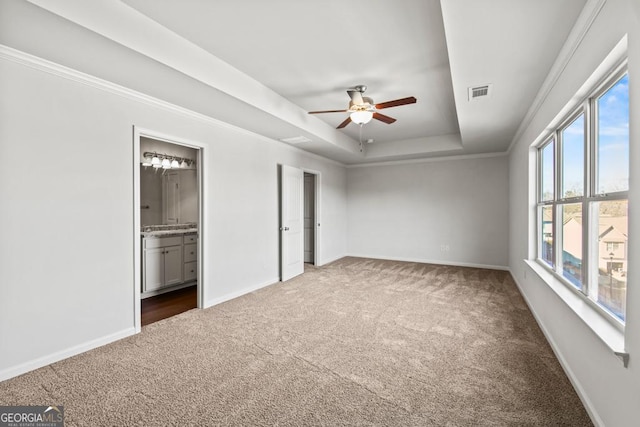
(444, 248)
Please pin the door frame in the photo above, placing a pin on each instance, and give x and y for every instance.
(316, 214)
(139, 132)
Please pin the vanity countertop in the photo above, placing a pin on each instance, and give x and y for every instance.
(167, 233)
(151, 231)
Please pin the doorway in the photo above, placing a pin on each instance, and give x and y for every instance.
(299, 194)
(309, 217)
(168, 227)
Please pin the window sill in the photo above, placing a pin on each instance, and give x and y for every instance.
(601, 327)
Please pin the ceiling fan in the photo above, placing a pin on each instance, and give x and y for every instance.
(362, 109)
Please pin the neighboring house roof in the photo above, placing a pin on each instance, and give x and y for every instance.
(612, 234)
(608, 224)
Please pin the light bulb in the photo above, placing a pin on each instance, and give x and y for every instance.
(361, 117)
(175, 164)
(147, 161)
(184, 164)
(155, 162)
(166, 164)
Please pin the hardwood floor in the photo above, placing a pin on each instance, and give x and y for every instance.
(166, 305)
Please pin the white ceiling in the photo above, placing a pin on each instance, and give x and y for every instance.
(272, 61)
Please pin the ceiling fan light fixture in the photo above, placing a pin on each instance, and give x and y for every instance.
(361, 117)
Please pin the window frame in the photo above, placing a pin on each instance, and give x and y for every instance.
(588, 107)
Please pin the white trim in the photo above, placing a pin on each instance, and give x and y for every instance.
(203, 212)
(55, 69)
(241, 292)
(431, 261)
(586, 402)
(137, 250)
(578, 32)
(31, 365)
(427, 160)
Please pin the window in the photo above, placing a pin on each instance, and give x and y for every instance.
(613, 246)
(583, 182)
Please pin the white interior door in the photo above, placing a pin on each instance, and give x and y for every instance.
(292, 222)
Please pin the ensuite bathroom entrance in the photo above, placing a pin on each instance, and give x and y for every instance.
(169, 229)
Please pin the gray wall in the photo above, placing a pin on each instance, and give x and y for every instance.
(414, 211)
(610, 392)
(67, 253)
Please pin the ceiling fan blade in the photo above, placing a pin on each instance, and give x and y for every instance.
(356, 97)
(343, 124)
(396, 102)
(388, 120)
(327, 111)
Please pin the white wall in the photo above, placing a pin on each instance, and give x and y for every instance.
(67, 246)
(610, 391)
(408, 211)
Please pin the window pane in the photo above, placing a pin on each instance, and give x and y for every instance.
(548, 161)
(610, 270)
(572, 243)
(546, 228)
(613, 138)
(573, 158)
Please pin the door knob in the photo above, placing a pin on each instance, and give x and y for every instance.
(286, 229)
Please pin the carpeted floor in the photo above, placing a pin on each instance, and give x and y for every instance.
(357, 342)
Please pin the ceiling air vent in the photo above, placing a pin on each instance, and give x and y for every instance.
(479, 92)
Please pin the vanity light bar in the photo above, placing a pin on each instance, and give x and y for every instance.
(172, 162)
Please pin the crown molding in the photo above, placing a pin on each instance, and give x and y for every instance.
(429, 160)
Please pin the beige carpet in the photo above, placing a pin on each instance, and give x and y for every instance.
(358, 342)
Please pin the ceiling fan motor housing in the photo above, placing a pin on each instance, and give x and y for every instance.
(367, 105)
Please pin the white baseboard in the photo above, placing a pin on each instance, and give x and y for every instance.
(31, 365)
(586, 402)
(432, 261)
(239, 293)
(330, 260)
